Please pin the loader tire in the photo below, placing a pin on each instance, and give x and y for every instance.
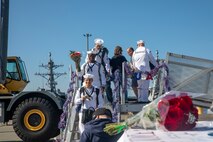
(35, 119)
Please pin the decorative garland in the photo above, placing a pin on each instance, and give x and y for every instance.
(116, 98)
(63, 118)
(152, 73)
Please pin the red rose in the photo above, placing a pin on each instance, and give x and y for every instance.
(173, 119)
(177, 112)
(173, 100)
(185, 103)
(186, 98)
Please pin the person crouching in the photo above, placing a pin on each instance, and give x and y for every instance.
(94, 129)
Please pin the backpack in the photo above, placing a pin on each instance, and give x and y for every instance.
(152, 66)
(82, 90)
(104, 51)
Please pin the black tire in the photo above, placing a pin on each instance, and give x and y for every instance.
(35, 120)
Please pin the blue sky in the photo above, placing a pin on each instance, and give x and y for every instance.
(38, 27)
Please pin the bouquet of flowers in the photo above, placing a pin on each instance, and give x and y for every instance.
(76, 57)
(173, 111)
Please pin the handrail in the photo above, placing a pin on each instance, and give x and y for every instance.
(164, 85)
(67, 107)
(192, 78)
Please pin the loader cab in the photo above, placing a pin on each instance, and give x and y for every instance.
(16, 76)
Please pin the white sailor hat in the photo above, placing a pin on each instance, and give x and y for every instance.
(91, 52)
(88, 76)
(140, 41)
(99, 41)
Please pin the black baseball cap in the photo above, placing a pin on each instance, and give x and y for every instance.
(102, 111)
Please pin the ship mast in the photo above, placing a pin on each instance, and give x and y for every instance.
(51, 76)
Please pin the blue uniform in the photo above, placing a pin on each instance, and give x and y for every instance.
(93, 132)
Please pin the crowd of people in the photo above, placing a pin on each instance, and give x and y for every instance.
(97, 72)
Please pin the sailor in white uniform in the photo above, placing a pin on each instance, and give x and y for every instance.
(88, 98)
(101, 54)
(94, 68)
(141, 58)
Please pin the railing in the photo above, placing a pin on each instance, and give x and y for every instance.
(68, 117)
(160, 80)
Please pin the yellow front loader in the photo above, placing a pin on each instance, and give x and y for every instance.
(34, 114)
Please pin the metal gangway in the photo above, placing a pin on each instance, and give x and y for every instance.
(185, 74)
(181, 72)
(191, 74)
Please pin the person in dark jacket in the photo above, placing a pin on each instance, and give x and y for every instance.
(117, 59)
(93, 131)
(116, 65)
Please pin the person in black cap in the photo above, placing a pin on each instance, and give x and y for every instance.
(94, 129)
